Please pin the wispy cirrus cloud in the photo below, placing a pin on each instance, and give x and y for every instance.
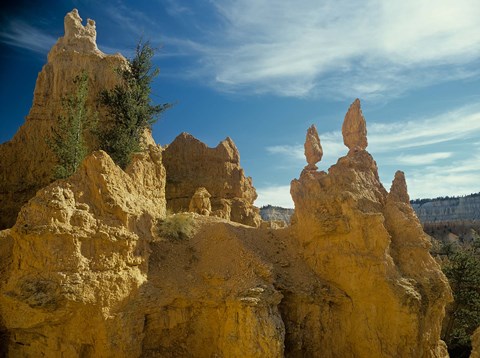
(340, 48)
(422, 159)
(458, 178)
(412, 146)
(20, 34)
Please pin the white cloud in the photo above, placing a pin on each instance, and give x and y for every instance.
(430, 173)
(274, 195)
(294, 152)
(460, 178)
(339, 47)
(422, 159)
(463, 122)
(20, 34)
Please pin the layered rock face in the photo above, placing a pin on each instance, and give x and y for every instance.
(79, 258)
(26, 162)
(369, 244)
(448, 210)
(190, 165)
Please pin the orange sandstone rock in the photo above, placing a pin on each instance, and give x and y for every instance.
(79, 256)
(354, 128)
(190, 164)
(313, 148)
(26, 162)
(369, 244)
(200, 202)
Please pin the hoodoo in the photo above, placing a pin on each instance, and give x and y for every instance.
(90, 268)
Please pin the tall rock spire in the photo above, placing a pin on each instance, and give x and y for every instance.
(354, 128)
(313, 148)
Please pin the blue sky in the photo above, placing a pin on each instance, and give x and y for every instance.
(262, 71)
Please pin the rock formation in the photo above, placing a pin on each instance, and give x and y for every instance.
(26, 162)
(476, 344)
(85, 271)
(313, 148)
(190, 164)
(354, 128)
(79, 256)
(200, 202)
(276, 213)
(369, 244)
(448, 209)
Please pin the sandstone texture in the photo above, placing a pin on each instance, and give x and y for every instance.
(86, 271)
(313, 148)
(354, 128)
(190, 164)
(200, 202)
(79, 257)
(369, 244)
(476, 344)
(26, 162)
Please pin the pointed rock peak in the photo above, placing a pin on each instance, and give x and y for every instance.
(398, 191)
(74, 27)
(354, 128)
(313, 148)
(78, 37)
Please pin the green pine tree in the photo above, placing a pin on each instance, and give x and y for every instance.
(129, 107)
(463, 271)
(67, 141)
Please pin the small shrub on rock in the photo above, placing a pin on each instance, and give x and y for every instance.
(177, 227)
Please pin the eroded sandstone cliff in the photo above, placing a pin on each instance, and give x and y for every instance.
(26, 162)
(79, 255)
(191, 165)
(369, 244)
(87, 272)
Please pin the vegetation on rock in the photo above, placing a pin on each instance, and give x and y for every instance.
(129, 107)
(177, 227)
(462, 268)
(67, 141)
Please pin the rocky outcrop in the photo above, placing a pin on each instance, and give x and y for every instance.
(354, 128)
(369, 244)
(79, 257)
(448, 209)
(200, 202)
(86, 271)
(190, 164)
(476, 344)
(276, 213)
(26, 162)
(313, 148)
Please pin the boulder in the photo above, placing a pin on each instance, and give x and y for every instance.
(200, 202)
(354, 128)
(313, 148)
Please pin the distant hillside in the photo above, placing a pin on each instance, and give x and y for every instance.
(275, 213)
(436, 210)
(448, 208)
